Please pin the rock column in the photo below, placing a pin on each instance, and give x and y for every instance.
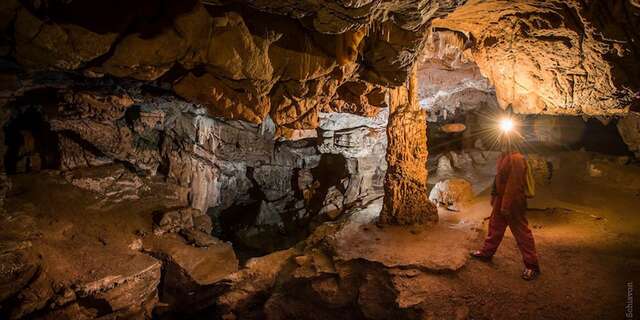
(406, 200)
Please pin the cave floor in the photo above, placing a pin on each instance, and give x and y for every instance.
(585, 269)
(587, 243)
(587, 233)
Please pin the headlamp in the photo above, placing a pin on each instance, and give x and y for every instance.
(506, 125)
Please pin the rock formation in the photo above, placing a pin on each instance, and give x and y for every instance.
(406, 201)
(629, 128)
(554, 57)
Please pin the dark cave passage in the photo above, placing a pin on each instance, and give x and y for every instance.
(31, 146)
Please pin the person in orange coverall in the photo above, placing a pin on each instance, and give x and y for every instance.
(509, 207)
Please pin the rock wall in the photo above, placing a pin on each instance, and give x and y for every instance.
(236, 171)
(554, 57)
(449, 82)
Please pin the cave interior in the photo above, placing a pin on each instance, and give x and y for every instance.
(315, 159)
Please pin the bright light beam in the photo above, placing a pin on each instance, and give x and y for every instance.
(506, 125)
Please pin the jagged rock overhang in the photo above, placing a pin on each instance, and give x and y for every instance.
(242, 60)
(555, 57)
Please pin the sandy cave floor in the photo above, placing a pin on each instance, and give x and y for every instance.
(587, 243)
(587, 232)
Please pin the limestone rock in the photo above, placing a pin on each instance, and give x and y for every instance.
(145, 58)
(112, 183)
(333, 203)
(177, 220)
(190, 273)
(73, 155)
(450, 82)
(41, 44)
(629, 128)
(530, 69)
(135, 142)
(247, 286)
(128, 292)
(405, 185)
(451, 193)
(199, 238)
(222, 100)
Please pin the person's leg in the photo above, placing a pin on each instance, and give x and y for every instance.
(524, 238)
(497, 227)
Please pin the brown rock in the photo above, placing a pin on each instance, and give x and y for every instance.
(101, 106)
(195, 27)
(132, 290)
(629, 128)
(46, 45)
(295, 56)
(190, 273)
(235, 53)
(451, 193)
(347, 46)
(73, 155)
(222, 100)
(405, 200)
(146, 58)
(549, 63)
(247, 285)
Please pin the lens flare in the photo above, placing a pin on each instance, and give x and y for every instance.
(506, 125)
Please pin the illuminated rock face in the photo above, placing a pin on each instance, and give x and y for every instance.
(629, 128)
(406, 200)
(449, 82)
(554, 57)
(240, 59)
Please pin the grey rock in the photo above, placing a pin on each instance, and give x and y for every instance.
(177, 220)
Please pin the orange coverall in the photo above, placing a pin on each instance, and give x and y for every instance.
(509, 207)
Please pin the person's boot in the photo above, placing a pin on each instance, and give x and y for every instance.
(530, 274)
(477, 254)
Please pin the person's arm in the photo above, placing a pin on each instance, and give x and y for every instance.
(514, 188)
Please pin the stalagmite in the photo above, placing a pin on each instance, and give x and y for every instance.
(406, 199)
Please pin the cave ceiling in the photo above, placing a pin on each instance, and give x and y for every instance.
(291, 60)
(553, 57)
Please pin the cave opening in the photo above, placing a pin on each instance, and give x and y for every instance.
(248, 223)
(31, 145)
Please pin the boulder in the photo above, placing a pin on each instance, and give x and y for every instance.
(333, 203)
(177, 220)
(452, 193)
(190, 273)
(247, 287)
(629, 128)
